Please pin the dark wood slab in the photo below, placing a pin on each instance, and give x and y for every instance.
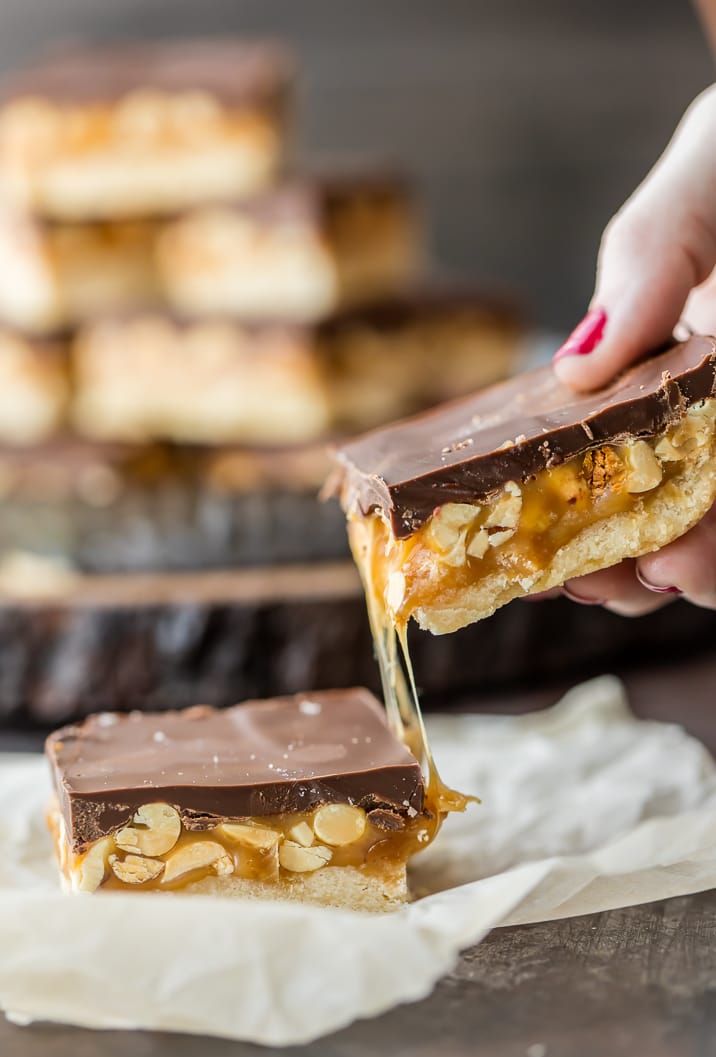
(170, 640)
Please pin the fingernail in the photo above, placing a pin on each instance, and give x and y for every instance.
(585, 337)
(653, 587)
(583, 601)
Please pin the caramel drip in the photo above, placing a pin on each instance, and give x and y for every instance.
(401, 698)
(440, 797)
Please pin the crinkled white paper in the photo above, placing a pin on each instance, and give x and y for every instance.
(584, 808)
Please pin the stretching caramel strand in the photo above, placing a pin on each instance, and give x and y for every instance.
(401, 698)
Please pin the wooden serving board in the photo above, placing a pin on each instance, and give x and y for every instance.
(155, 641)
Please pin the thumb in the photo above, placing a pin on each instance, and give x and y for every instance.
(659, 246)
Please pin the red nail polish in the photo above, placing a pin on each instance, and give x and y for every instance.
(655, 589)
(585, 337)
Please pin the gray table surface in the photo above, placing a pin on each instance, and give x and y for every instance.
(640, 981)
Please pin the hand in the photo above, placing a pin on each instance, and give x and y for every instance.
(656, 268)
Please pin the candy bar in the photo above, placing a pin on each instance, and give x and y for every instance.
(274, 383)
(138, 129)
(308, 798)
(302, 251)
(516, 489)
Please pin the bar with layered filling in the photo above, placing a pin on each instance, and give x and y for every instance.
(302, 251)
(308, 798)
(136, 129)
(153, 377)
(516, 489)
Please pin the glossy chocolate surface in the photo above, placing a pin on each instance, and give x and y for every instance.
(259, 758)
(466, 450)
(234, 71)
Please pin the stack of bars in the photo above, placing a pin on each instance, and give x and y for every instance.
(188, 320)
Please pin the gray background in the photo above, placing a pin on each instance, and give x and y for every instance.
(526, 122)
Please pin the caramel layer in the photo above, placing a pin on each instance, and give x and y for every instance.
(156, 852)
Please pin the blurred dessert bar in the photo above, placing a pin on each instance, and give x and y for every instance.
(410, 351)
(34, 388)
(56, 274)
(104, 509)
(127, 130)
(203, 381)
(310, 798)
(301, 251)
(297, 252)
(277, 383)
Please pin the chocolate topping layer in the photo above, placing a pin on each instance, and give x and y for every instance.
(235, 71)
(466, 450)
(259, 758)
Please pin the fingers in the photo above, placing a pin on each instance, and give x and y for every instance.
(654, 252)
(700, 311)
(641, 303)
(687, 566)
(618, 589)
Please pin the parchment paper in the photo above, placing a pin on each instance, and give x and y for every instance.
(584, 808)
